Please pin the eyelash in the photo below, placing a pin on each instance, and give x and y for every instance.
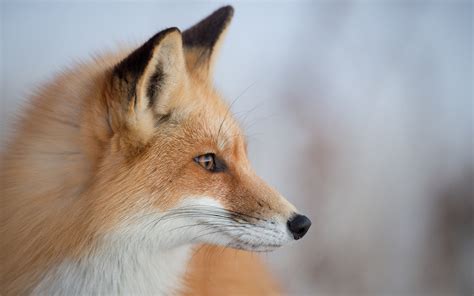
(210, 162)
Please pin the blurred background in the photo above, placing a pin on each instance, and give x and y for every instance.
(359, 112)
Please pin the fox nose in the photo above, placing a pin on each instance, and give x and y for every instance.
(298, 225)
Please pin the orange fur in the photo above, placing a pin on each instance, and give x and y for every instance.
(222, 271)
(85, 157)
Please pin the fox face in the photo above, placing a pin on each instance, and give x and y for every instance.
(122, 164)
(176, 164)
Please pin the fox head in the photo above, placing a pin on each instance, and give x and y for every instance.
(174, 167)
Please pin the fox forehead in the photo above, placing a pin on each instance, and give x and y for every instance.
(206, 117)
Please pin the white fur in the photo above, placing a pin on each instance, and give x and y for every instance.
(120, 269)
(148, 253)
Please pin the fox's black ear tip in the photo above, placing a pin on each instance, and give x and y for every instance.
(170, 30)
(174, 29)
(207, 32)
(229, 10)
(225, 12)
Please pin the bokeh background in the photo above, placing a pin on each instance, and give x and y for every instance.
(359, 112)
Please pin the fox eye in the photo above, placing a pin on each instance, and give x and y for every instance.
(209, 162)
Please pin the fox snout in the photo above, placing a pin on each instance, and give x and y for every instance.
(269, 220)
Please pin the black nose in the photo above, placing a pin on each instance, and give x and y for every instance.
(299, 225)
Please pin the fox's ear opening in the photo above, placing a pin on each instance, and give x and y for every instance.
(144, 83)
(202, 41)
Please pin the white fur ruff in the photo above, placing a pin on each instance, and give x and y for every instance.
(148, 254)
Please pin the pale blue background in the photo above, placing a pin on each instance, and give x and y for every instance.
(360, 112)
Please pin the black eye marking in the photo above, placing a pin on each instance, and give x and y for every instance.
(210, 162)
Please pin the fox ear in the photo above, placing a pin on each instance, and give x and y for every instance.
(144, 83)
(202, 40)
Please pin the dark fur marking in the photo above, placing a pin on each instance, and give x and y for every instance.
(220, 165)
(154, 85)
(132, 67)
(207, 32)
(163, 118)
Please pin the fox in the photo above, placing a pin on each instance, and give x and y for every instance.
(127, 172)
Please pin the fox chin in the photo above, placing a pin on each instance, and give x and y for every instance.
(120, 166)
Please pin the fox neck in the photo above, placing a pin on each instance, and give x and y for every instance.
(119, 267)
